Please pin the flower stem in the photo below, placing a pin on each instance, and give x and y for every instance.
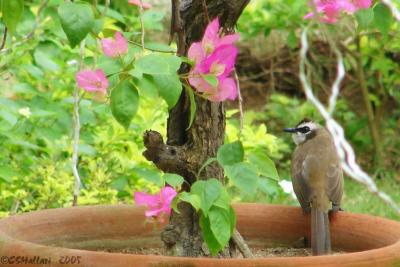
(77, 128)
(141, 23)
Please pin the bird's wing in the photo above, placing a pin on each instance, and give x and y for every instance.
(334, 183)
(300, 186)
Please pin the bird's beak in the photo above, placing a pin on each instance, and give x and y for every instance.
(290, 130)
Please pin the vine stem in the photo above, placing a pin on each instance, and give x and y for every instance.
(3, 42)
(141, 23)
(240, 103)
(76, 134)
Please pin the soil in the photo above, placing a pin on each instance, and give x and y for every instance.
(257, 252)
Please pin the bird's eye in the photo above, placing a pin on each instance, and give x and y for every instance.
(304, 129)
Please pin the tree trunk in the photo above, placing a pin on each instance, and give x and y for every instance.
(187, 149)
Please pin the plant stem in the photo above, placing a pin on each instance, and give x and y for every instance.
(151, 49)
(141, 23)
(3, 42)
(240, 102)
(241, 244)
(368, 107)
(77, 128)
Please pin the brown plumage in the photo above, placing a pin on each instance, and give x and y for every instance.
(317, 179)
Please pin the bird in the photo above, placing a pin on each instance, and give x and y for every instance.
(317, 179)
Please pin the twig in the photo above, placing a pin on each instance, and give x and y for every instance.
(240, 102)
(344, 149)
(3, 41)
(15, 207)
(205, 10)
(77, 127)
(141, 23)
(376, 140)
(152, 49)
(241, 244)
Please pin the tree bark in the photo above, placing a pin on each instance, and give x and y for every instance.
(187, 149)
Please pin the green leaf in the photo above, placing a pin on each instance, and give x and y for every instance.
(208, 191)
(229, 154)
(193, 106)
(124, 103)
(120, 183)
(224, 200)
(193, 199)
(243, 176)
(12, 12)
(173, 179)
(211, 79)
(44, 58)
(146, 86)
(382, 18)
(364, 18)
(77, 20)
(7, 173)
(208, 236)
(158, 64)
(149, 175)
(160, 47)
(220, 224)
(169, 87)
(265, 166)
(268, 186)
(109, 65)
(205, 164)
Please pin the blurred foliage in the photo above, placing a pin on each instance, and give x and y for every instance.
(370, 44)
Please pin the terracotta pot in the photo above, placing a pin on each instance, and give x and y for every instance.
(49, 235)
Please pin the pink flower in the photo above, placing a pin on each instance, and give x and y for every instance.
(158, 204)
(216, 56)
(330, 10)
(362, 3)
(92, 80)
(137, 3)
(211, 41)
(116, 47)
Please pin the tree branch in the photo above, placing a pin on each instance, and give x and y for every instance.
(3, 41)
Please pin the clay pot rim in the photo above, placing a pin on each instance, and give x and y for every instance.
(7, 237)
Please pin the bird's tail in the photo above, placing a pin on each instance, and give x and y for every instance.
(320, 237)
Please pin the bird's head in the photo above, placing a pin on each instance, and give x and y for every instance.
(304, 130)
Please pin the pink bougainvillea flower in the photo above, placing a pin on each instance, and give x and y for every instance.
(330, 10)
(362, 3)
(115, 47)
(214, 55)
(225, 90)
(92, 80)
(211, 41)
(137, 3)
(157, 205)
(219, 64)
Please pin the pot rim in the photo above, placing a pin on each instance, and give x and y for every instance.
(8, 241)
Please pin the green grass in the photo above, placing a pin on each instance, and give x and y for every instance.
(357, 199)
